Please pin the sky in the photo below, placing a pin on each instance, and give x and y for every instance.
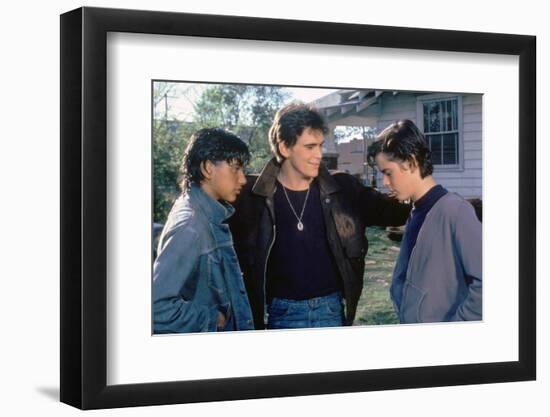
(180, 103)
(309, 94)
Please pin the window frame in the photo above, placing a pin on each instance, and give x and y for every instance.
(420, 101)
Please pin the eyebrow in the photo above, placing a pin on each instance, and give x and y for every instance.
(235, 161)
(314, 143)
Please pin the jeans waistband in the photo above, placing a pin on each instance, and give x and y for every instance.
(311, 301)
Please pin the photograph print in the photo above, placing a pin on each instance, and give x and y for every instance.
(278, 207)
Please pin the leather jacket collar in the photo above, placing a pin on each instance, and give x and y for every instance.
(265, 184)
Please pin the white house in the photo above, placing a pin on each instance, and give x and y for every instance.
(451, 122)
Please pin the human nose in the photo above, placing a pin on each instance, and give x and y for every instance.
(385, 181)
(319, 152)
(241, 178)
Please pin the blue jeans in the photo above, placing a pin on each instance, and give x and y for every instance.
(326, 311)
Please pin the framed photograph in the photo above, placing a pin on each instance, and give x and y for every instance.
(133, 81)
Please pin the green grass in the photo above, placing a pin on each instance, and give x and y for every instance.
(375, 306)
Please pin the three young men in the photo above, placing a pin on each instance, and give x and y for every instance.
(197, 283)
(299, 231)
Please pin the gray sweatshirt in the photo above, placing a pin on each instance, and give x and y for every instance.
(443, 279)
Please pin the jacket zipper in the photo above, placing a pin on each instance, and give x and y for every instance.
(413, 251)
(265, 272)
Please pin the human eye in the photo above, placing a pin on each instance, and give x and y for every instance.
(235, 168)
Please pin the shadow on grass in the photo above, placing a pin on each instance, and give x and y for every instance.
(375, 306)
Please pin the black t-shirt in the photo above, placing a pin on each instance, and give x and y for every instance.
(300, 264)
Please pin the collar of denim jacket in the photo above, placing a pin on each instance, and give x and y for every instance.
(215, 211)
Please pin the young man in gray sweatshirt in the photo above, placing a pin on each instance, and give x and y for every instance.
(438, 273)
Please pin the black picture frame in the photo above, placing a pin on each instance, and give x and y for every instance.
(84, 207)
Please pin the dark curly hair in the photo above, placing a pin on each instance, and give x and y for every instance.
(214, 145)
(402, 141)
(290, 122)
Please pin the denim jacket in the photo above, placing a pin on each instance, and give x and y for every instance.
(196, 274)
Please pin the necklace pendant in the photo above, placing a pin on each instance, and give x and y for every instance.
(300, 226)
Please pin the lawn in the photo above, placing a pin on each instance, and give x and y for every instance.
(375, 306)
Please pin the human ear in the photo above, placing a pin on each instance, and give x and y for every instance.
(412, 163)
(207, 167)
(283, 149)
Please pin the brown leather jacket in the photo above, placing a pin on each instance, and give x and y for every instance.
(348, 208)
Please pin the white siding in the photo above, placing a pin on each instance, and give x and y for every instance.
(400, 106)
(350, 156)
(473, 146)
(467, 181)
(474, 127)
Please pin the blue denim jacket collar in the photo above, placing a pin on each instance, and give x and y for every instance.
(216, 212)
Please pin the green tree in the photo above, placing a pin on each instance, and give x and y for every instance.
(170, 138)
(246, 110)
(170, 141)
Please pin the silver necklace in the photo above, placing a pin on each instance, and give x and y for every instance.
(300, 225)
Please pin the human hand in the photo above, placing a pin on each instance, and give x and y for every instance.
(221, 321)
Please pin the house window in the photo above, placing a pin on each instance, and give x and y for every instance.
(440, 119)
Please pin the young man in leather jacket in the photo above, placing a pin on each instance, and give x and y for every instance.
(299, 230)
